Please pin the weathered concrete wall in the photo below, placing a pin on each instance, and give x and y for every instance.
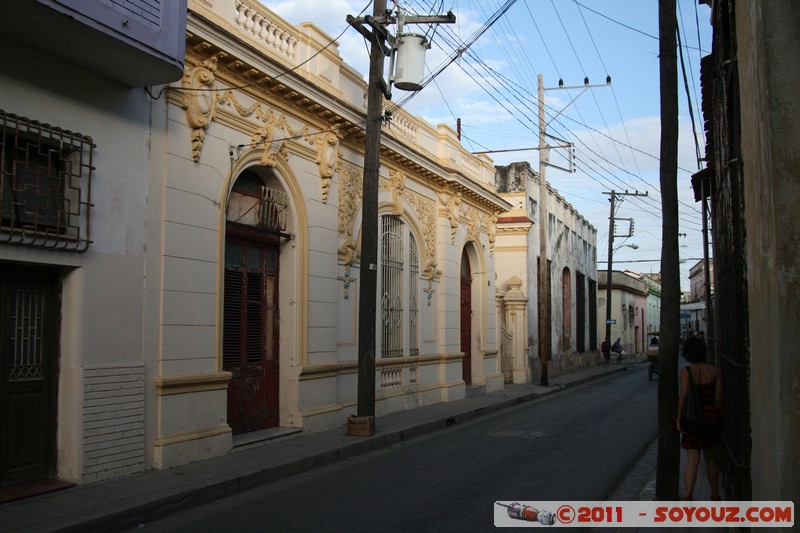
(769, 46)
(572, 253)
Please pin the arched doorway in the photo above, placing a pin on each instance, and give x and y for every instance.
(255, 221)
(466, 317)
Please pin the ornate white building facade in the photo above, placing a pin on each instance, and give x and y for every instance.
(256, 223)
(215, 300)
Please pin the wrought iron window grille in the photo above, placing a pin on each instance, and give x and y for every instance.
(45, 185)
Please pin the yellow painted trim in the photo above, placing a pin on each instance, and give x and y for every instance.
(328, 371)
(451, 357)
(168, 385)
(428, 388)
(189, 436)
(325, 410)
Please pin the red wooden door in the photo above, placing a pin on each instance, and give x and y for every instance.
(250, 335)
(466, 319)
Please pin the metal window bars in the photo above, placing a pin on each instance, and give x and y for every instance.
(45, 185)
(273, 209)
(413, 288)
(392, 286)
(26, 333)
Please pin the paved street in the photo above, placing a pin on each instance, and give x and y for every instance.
(577, 445)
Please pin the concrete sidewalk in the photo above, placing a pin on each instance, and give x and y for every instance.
(124, 503)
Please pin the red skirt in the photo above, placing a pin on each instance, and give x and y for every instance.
(709, 435)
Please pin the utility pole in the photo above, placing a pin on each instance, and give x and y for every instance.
(668, 462)
(544, 271)
(378, 36)
(367, 300)
(611, 234)
(612, 199)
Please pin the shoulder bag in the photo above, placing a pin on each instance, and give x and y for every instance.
(692, 412)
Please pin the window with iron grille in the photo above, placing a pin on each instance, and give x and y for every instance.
(44, 185)
(413, 284)
(399, 284)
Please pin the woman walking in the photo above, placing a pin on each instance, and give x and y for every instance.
(708, 385)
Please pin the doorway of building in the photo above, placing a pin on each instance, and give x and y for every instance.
(256, 220)
(250, 335)
(30, 303)
(466, 318)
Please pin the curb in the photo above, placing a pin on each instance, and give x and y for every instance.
(165, 503)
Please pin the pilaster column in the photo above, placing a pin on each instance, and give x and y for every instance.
(516, 304)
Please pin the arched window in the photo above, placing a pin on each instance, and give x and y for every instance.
(399, 285)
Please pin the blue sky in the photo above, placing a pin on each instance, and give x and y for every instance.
(615, 129)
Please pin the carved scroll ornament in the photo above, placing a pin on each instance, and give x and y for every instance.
(200, 101)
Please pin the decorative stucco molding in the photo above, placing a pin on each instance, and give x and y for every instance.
(327, 158)
(452, 204)
(351, 182)
(426, 214)
(199, 100)
(491, 225)
(474, 222)
(396, 185)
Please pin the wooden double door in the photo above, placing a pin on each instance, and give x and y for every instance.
(250, 333)
(30, 303)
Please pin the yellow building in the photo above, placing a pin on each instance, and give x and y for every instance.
(254, 245)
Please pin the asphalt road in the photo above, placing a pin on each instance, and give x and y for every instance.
(575, 445)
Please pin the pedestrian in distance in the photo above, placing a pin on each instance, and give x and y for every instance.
(606, 349)
(708, 385)
(617, 346)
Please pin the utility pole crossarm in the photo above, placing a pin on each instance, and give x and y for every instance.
(449, 18)
(377, 28)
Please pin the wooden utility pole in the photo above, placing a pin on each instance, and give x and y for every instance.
(612, 199)
(367, 290)
(544, 286)
(668, 463)
(382, 45)
(611, 234)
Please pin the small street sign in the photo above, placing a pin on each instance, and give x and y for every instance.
(611, 321)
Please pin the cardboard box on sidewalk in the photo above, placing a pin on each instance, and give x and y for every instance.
(361, 426)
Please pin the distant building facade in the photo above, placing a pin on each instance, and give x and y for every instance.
(653, 314)
(572, 275)
(629, 296)
(697, 281)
